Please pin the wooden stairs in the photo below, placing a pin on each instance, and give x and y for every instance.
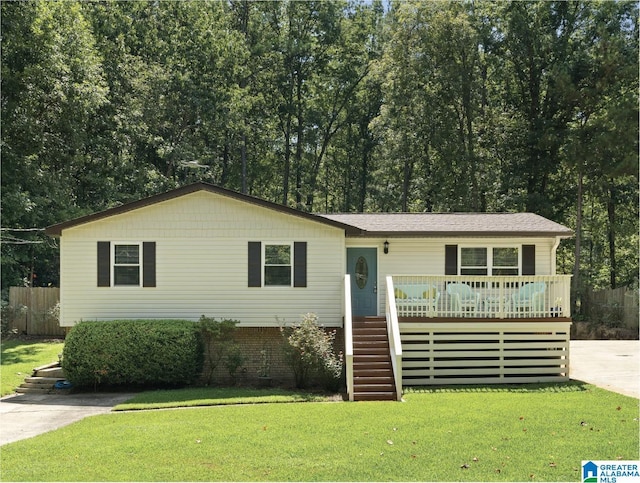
(372, 369)
(42, 380)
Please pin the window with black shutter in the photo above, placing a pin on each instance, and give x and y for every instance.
(126, 264)
(277, 264)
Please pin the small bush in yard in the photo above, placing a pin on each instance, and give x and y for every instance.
(309, 351)
(219, 346)
(133, 352)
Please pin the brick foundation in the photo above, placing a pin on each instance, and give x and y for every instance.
(262, 346)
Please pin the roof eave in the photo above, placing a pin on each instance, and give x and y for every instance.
(463, 234)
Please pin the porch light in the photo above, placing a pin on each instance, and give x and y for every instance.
(386, 247)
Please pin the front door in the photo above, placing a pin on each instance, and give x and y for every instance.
(362, 266)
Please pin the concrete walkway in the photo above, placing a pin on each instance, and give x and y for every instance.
(610, 364)
(25, 415)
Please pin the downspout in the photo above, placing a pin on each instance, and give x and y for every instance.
(554, 249)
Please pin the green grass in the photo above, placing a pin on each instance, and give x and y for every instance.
(216, 396)
(19, 357)
(470, 434)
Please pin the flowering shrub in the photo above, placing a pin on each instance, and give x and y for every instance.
(308, 350)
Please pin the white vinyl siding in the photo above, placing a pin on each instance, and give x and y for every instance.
(201, 265)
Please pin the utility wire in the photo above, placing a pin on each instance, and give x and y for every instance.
(22, 229)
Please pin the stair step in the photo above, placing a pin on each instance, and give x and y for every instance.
(56, 372)
(42, 381)
(371, 362)
(373, 387)
(50, 365)
(370, 342)
(382, 378)
(374, 396)
(369, 318)
(376, 333)
(371, 355)
(368, 380)
(24, 389)
(373, 372)
(366, 371)
(364, 351)
(375, 325)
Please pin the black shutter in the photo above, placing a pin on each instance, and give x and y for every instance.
(149, 264)
(528, 259)
(255, 264)
(451, 259)
(104, 264)
(300, 264)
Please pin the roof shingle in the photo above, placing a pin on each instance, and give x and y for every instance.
(448, 224)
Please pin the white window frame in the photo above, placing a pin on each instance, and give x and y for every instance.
(114, 265)
(518, 267)
(489, 250)
(264, 263)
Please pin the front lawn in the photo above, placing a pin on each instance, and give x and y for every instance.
(216, 396)
(475, 434)
(19, 358)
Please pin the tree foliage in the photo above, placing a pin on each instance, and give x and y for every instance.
(325, 106)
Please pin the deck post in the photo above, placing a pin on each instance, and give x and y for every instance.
(348, 336)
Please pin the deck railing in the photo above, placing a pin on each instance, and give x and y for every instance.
(493, 297)
(395, 343)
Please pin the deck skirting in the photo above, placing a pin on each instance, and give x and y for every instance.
(491, 352)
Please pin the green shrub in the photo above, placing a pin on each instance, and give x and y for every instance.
(219, 346)
(133, 352)
(309, 352)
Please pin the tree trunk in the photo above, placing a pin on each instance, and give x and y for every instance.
(575, 282)
(299, 145)
(611, 235)
(287, 161)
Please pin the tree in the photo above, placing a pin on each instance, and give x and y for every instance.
(52, 89)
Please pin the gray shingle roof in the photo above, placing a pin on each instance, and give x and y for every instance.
(367, 224)
(452, 224)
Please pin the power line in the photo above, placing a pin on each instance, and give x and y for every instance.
(22, 229)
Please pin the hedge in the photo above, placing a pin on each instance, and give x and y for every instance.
(133, 353)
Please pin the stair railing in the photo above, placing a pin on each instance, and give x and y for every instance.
(393, 330)
(348, 336)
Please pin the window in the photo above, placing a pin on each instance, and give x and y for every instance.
(473, 261)
(505, 261)
(484, 261)
(126, 265)
(277, 265)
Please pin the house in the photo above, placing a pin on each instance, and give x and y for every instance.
(450, 290)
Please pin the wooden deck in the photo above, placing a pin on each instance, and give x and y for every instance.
(436, 340)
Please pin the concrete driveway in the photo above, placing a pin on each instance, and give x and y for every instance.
(25, 415)
(610, 364)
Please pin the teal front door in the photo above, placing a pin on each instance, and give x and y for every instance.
(362, 265)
